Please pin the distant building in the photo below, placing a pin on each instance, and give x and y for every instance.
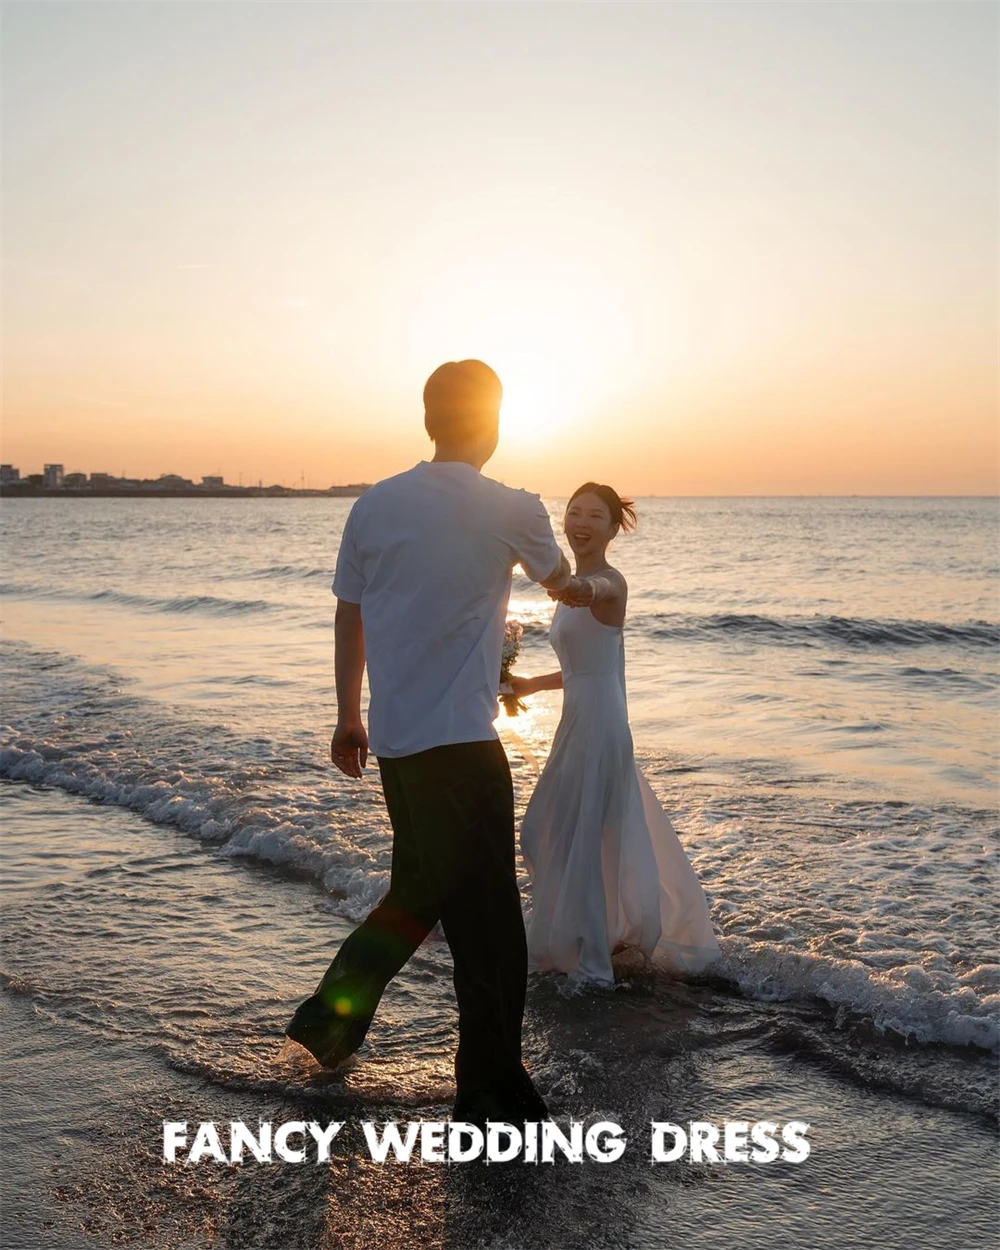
(102, 481)
(52, 477)
(35, 479)
(170, 481)
(75, 480)
(348, 492)
(212, 481)
(9, 474)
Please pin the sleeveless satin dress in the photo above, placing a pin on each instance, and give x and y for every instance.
(605, 863)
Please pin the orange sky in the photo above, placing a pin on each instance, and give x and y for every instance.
(728, 249)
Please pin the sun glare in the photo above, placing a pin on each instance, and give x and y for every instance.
(555, 333)
(541, 399)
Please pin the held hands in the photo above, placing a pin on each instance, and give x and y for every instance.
(579, 592)
(521, 687)
(349, 748)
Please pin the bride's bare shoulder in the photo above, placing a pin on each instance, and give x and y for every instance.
(609, 608)
(617, 577)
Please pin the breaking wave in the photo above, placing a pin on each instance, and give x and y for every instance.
(820, 631)
(208, 605)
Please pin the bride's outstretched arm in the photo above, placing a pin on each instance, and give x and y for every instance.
(523, 686)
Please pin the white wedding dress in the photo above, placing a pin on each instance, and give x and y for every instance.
(605, 863)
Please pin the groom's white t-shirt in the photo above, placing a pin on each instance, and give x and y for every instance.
(428, 555)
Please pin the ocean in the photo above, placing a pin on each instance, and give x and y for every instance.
(812, 689)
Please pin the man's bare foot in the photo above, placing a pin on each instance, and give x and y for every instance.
(295, 1053)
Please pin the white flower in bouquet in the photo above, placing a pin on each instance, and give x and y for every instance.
(511, 650)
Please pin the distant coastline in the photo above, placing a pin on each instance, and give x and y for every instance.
(24, 490)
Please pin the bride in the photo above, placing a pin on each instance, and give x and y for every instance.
(606, 867)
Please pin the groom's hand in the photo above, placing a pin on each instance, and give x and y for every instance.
(349, 749)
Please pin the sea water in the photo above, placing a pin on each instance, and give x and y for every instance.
(812, 689)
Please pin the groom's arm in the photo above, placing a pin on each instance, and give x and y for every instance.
(565, 585)
(560, 577)
(349, 746)
(535, 545)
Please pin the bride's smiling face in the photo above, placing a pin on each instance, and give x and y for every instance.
(588, 525)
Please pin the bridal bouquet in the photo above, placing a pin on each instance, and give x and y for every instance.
(511, 650)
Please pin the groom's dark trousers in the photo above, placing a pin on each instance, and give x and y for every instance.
(452, 814)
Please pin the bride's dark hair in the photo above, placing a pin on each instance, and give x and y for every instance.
(622, 510)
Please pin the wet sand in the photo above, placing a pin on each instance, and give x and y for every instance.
(82, 1168)
(160, 995)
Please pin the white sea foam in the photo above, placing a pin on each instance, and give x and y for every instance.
(208, 809)
(901, 999)
(906, 1005)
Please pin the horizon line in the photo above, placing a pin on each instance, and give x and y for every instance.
(74, 493)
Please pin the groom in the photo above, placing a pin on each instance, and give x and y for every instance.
(422, 582)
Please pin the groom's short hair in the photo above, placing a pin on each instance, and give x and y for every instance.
(462, 400)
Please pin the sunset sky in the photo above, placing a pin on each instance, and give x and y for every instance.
(709, 248)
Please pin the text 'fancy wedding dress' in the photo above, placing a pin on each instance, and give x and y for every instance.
(605, 863)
